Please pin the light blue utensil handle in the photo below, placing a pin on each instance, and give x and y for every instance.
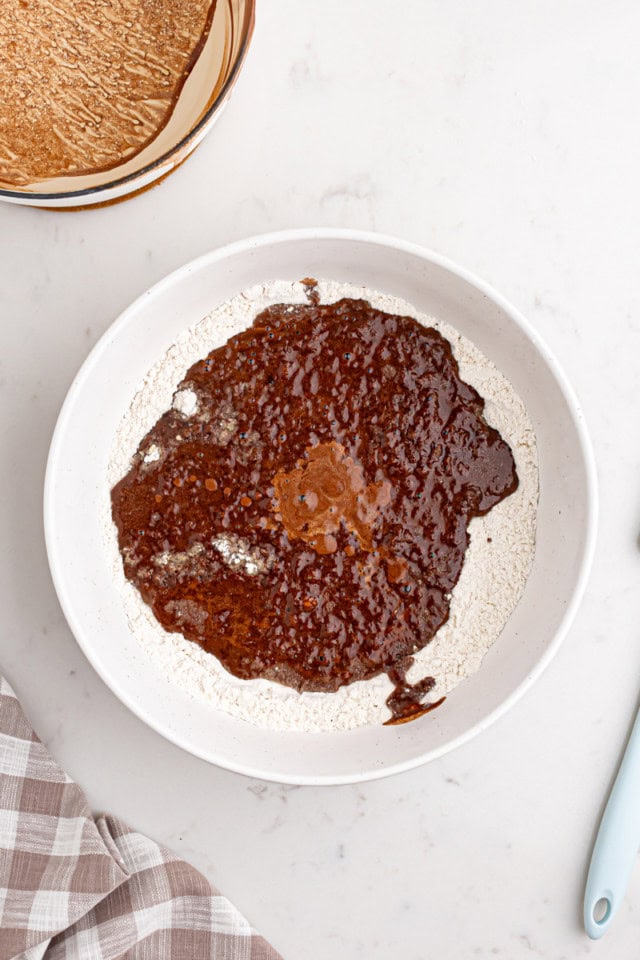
(616, 847)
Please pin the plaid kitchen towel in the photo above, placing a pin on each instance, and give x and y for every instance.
(77, 888)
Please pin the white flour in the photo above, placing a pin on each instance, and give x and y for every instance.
(495, 569)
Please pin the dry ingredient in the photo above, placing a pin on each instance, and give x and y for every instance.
(347, 458)
(495, 570)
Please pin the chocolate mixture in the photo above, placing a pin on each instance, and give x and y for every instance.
(302, 510)
(86, 85)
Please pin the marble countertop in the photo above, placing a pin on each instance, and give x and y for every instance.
(504, 136)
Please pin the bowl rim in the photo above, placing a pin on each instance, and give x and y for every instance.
(203, 122)
(575, 411)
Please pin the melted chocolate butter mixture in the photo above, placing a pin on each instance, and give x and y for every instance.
(308, 522)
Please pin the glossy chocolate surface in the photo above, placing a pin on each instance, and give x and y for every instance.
(307, 522)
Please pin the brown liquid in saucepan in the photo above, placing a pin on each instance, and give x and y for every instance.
(308, 522)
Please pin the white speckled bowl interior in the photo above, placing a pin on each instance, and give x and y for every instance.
(105, 386)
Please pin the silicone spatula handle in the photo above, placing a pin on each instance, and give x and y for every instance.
(616, 847)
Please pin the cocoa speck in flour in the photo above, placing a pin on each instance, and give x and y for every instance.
(495, 569)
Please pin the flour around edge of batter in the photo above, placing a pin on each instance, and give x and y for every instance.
(494, 573)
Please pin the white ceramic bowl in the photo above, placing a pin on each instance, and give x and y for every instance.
(102, 391)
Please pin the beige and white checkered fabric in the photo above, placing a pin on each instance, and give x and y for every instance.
(77, 888)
